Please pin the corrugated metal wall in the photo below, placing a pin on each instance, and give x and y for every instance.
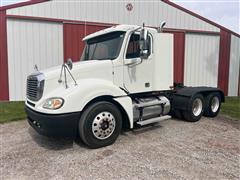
(234, 66)
(151, 12)
(201, 60)
(30, 43)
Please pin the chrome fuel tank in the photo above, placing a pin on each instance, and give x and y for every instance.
(150, 107)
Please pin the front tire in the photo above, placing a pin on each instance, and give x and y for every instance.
(100, 124)
(195, 109)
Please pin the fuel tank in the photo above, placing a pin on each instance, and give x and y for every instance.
(150, 107)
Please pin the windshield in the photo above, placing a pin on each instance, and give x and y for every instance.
(106, 46)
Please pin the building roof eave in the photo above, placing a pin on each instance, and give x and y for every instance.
(200, 17)
(25, 3)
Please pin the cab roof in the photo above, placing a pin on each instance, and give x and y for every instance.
(122, 27)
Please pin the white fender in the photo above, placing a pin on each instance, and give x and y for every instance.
(77, 97)
(126, 103)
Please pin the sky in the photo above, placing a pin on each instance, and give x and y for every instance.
(7, 2)
(223, 12)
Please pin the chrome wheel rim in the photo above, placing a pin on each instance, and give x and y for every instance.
(215, 104)
(103, 125)
(197, 107)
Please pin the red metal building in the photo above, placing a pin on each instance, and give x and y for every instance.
(49, 32)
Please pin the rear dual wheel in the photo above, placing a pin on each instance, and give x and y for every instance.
(195, 109)
(198, 106)
(212, 105)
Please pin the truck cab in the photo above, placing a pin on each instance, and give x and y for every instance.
(123, 79)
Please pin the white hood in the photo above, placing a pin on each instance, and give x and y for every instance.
(81, 70)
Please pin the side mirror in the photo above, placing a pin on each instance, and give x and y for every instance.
(144, 44)
(69, 63)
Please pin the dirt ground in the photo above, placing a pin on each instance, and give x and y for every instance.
(172, 149)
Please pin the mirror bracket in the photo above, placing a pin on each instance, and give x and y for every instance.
(131, 61)
(69, 63)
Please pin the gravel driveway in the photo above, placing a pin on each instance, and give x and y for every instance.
(172, 149)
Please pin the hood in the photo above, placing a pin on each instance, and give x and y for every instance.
(81, 70)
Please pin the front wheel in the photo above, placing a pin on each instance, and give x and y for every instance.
(100, 124)
(195, 109)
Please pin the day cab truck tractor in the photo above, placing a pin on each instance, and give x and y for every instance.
(124, 79)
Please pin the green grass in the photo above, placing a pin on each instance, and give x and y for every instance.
(11, 111)
(231, 107)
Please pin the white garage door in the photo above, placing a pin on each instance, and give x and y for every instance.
(234, 66)
(30, 43)
(201, 60)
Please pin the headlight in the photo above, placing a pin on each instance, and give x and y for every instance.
(53, 103)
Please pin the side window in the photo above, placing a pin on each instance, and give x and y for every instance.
(133, 50)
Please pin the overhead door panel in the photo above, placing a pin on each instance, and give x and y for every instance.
(234, 68)
(30, 43)
(201, 60)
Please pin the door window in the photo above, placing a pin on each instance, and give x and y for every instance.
(133, 50)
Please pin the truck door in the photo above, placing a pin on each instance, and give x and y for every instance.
(136, 71)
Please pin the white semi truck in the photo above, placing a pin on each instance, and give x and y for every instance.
(124, 79)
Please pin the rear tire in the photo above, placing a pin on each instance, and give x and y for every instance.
(195, 109)
(100, 124)
(212, 105)
(178, 114)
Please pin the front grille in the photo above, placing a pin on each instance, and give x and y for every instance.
(35, 86)
(32, 85)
